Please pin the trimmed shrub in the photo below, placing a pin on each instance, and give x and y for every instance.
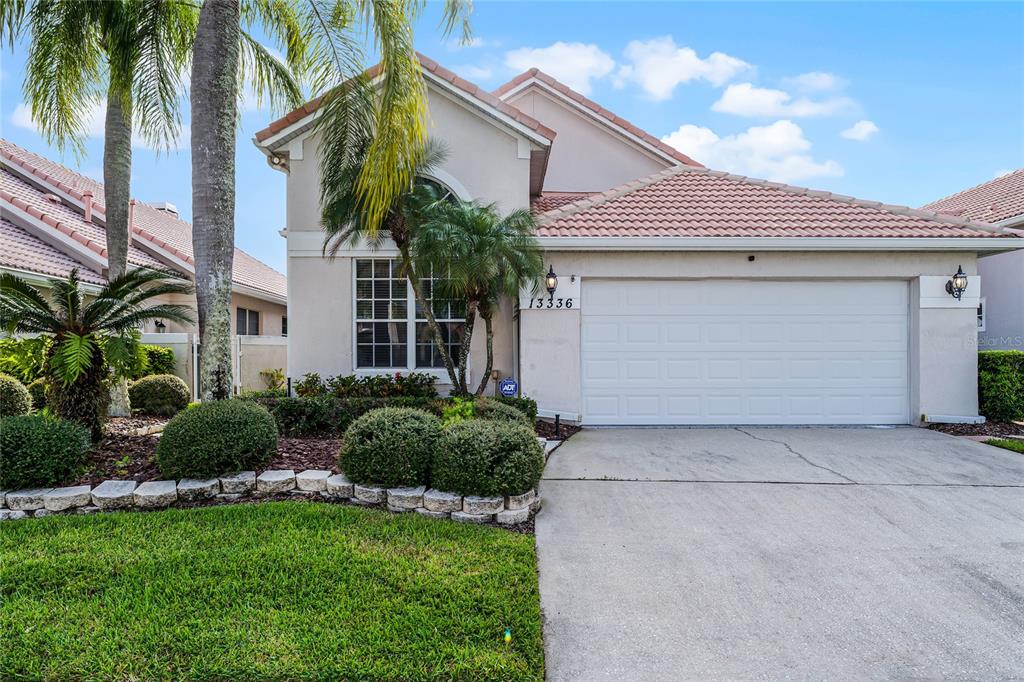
(527, 406)
(14, 397)
(411, 385)
(37, 451)
(1001, 384)
(391, 446)
(492, 410)
(37, 389)
(163, 395)
(328, 416)
(216, 438)
(487, 458)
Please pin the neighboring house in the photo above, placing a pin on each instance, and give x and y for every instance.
(52, 221)
(684, 295)
(1001, 308)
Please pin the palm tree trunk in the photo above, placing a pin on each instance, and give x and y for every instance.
(428, 312)
(117, 177)
(214, 101)
(467, 339)
(487, 315)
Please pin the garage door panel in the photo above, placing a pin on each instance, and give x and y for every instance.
(821, 352)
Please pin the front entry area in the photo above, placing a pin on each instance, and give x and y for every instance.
(745, 352)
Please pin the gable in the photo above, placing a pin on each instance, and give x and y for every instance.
(589, 155)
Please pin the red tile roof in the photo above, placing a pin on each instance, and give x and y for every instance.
(597, 109)
(993, 201)
(165, 231)
(695, 202)
(20, 250)
(431, 66)
(547, 201)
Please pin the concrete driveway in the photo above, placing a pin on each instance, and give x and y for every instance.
(769, 553)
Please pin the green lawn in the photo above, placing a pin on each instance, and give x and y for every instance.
(274, 591)
(1007, 444)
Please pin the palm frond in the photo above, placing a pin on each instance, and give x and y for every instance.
(72, 356)
(268, 78)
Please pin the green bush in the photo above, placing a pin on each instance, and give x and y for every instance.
(37, 389)
(1001, 384)
(326, 415)
(159, 360)
(487, 458)
(527, 406)
(216, 438)
(162, 395)
(411, 385)
(24, 359)
(390, 446)
(14, 397)
(492, 410)
(37, 451)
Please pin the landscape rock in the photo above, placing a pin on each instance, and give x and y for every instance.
(154, 494)
(40, 513)
(28, 499)
(114, 494)
(398, 510)
(192, 489)
(464, 517)
(61, 499)
(3, 499)
(440, 501)
(422, 511)
(369, 494)
(12, 514)
(535, 505)
(313, 480)
(275, 481)
(511, 517)
(227, 497)
(406, 498)
(339, 486)
(88, 509)
(242, 482)
(471, 504)
(520, 501)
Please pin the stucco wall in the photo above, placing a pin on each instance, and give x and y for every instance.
(942, 339)
(587, 156)
(1002, 279)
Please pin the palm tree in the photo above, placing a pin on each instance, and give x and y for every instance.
(387, 114)
(345, 223)
(132, 51)
(90, 340)
(484, 257)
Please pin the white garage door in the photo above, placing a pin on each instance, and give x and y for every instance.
(744, 352)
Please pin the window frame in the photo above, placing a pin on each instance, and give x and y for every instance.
(248, 313)
(410, 330)
(284, 325)
(982, 314)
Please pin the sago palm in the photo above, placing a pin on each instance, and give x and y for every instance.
(92, 339)
(321, 41)
(484, 257)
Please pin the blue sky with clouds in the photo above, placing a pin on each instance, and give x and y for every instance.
(902, 103)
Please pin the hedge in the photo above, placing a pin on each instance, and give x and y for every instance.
(489, 458)
(162, 395)
(491, 409)
(38, 451)
(159, 360)
(1001, 384)
(390, 447)
(409, 385)
(216, 438)
(326, 415)
(527, 406)
(37, 389)
(14, 397)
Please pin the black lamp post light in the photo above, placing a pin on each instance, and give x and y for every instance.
(956, 286)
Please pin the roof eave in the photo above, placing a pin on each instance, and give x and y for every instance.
(979, 245)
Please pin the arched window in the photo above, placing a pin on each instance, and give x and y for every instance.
(444, 191)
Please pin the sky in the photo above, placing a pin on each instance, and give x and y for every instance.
(901, 103)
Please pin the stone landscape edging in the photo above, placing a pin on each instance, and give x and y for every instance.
(114, 495)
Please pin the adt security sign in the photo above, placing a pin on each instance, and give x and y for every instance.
(508, 387)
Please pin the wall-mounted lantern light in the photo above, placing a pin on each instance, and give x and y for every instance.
(956, 286)
(551, 280)
(160, 327)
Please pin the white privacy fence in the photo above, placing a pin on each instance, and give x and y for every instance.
(249, 356)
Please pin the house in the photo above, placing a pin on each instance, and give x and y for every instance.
(1001, 308)
(684, 295)
(52, 221)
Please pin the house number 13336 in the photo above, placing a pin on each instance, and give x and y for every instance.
(552, 303)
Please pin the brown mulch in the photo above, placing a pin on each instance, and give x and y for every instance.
(994, 429)
(126, 426)
(546, 429)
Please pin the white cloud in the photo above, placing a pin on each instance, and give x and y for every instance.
(94, 124)
(861, 131)
(659, 65)
(474, 72)
(1001, 172)
(575, 64)
(475, 41)
(778, 152)
(744, 99)
(816, 81)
